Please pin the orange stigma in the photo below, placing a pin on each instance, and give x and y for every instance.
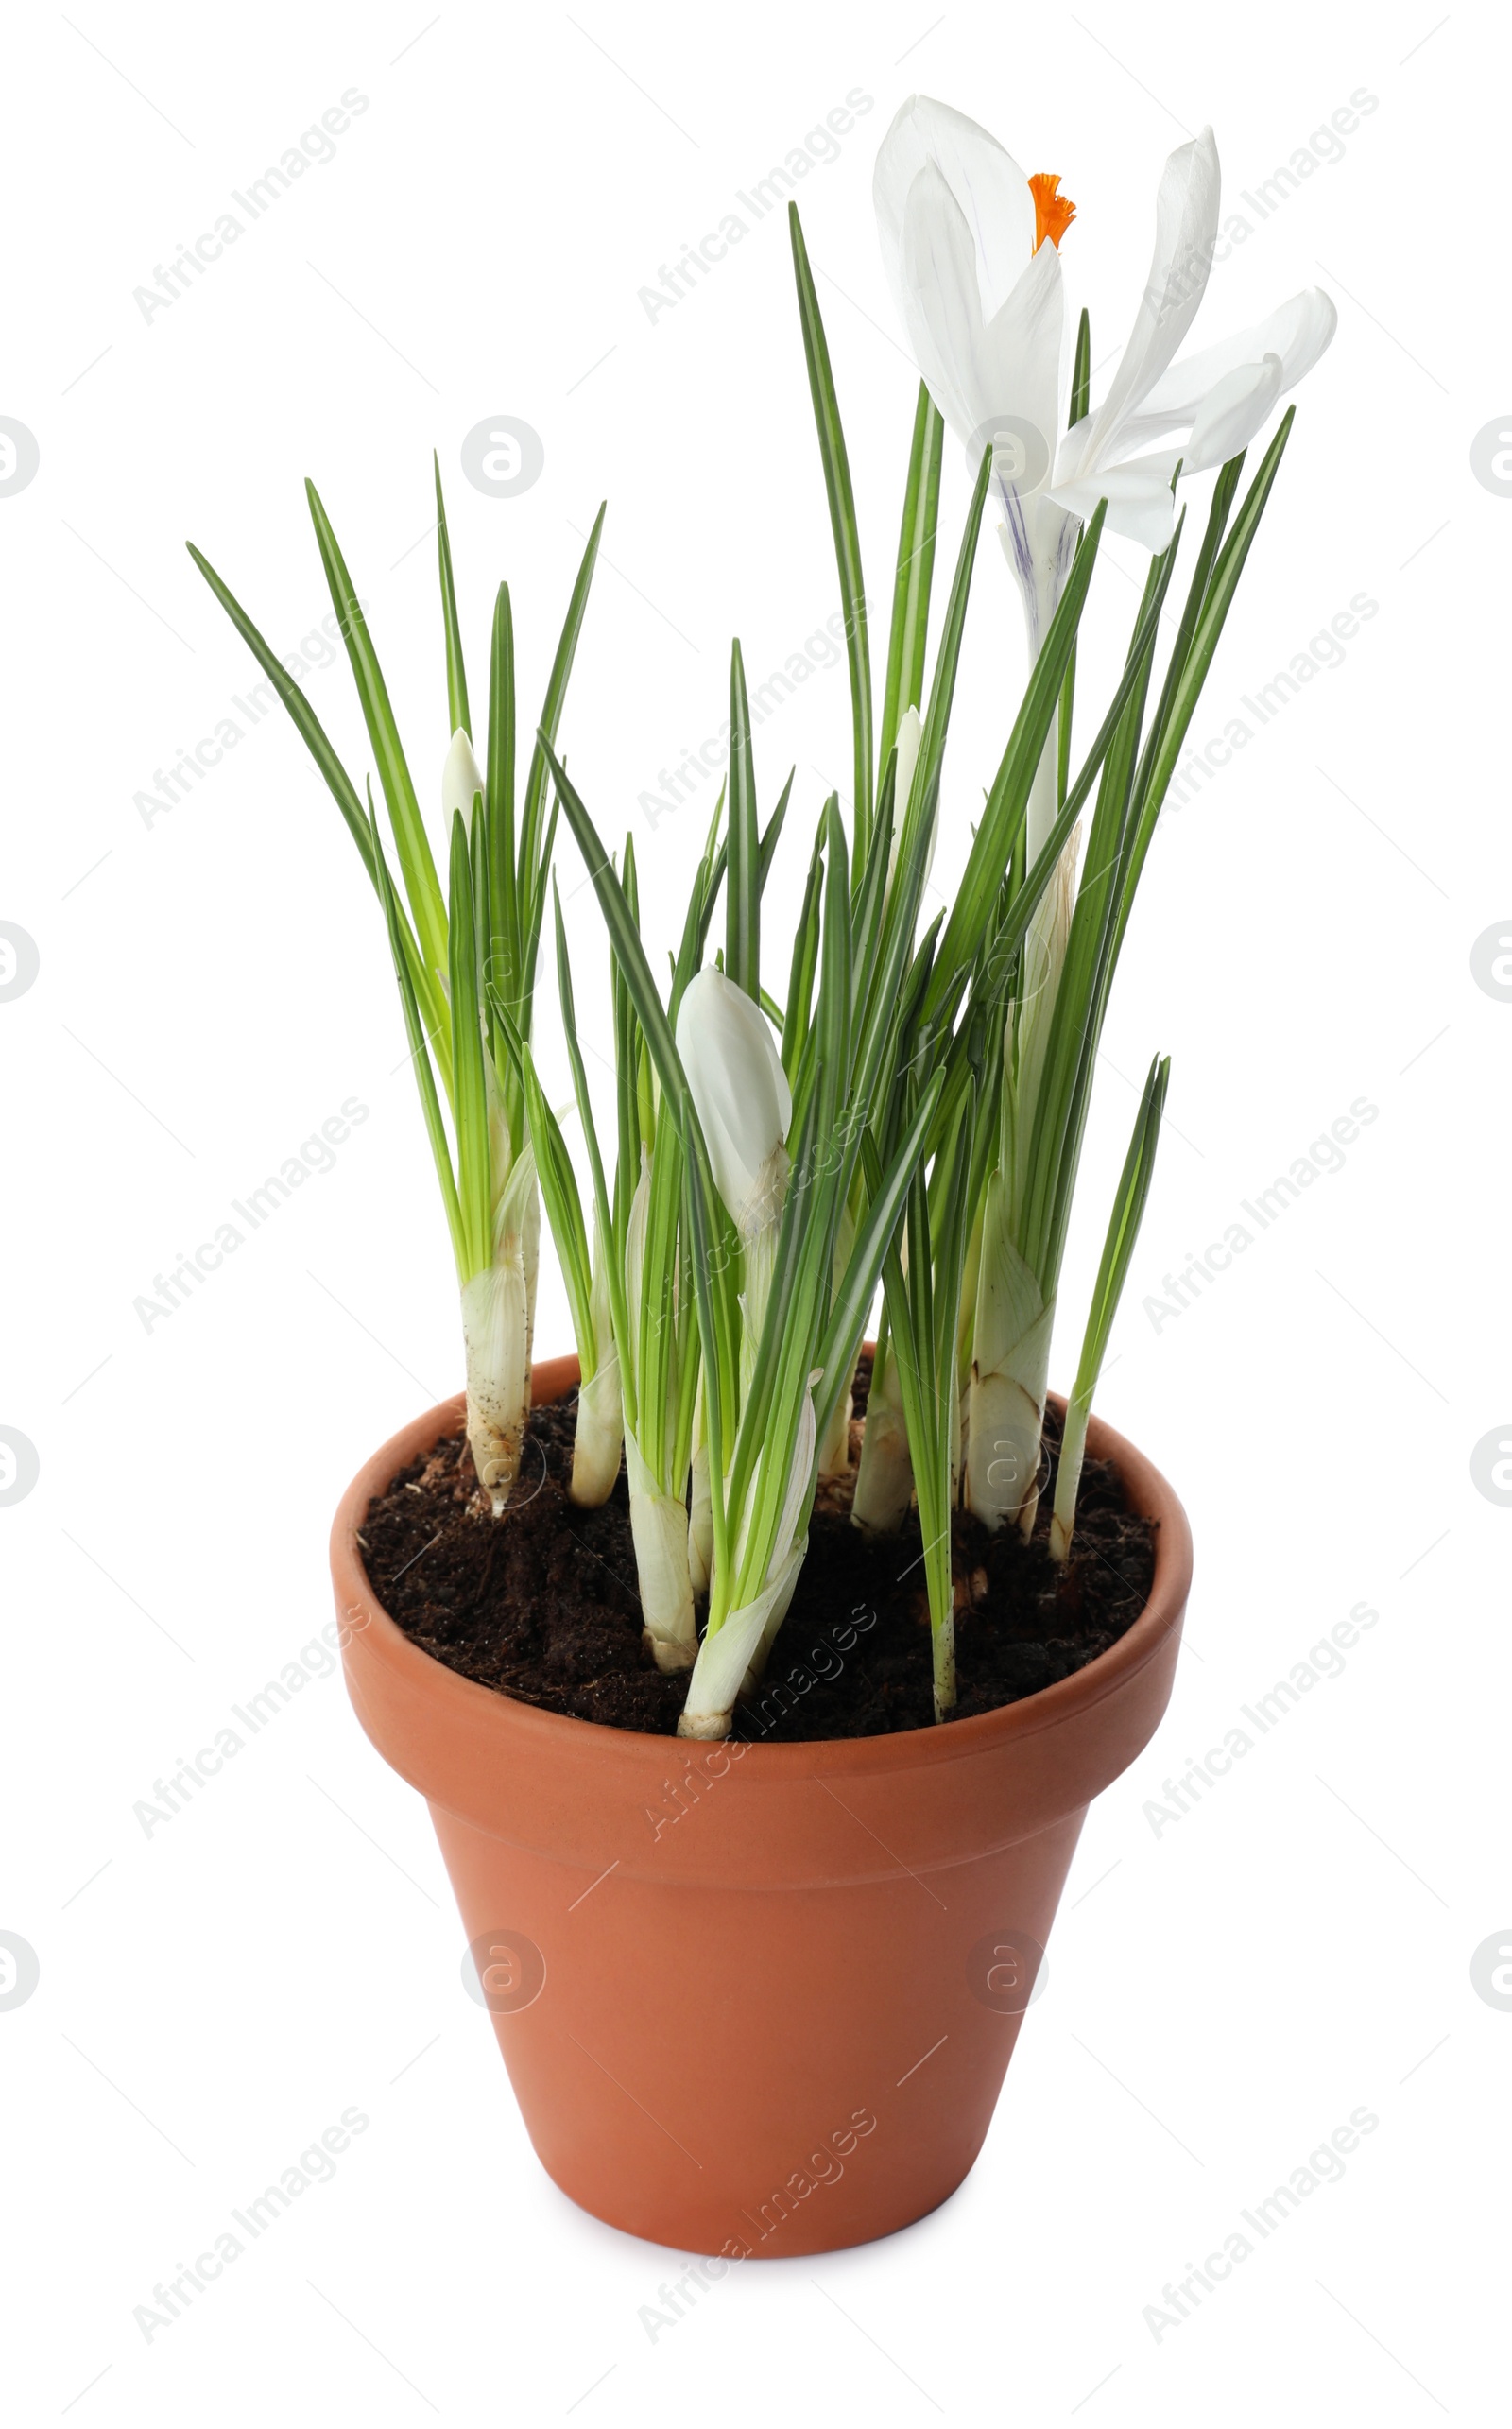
(1052, 213)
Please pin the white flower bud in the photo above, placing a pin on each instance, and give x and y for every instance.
(740, 1093)
(461, 779)
(910, 734)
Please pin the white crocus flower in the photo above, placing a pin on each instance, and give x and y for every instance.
(980, 293)
(743, 1105)
(741, 1095)
(461, 781)
(1207, 406)
(979, 289)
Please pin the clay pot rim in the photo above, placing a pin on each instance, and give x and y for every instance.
(899, 1750)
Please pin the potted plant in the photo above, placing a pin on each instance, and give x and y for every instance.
(757, 1725)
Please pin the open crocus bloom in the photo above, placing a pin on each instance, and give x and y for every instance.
(971, 247)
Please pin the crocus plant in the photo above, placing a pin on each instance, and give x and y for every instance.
(908, 1111)
(972, 251)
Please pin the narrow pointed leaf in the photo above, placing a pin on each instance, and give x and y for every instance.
(416, 864)
(313, 735)
(909, 637)
(504, 917)
(469, 1093)
(803, 964)
(842, 523)
(841, 1340)
(564, 1212)
(772, 830)
(625, 937)
(420, 1048)
(743, 884)
(457, 708)
(533, 807)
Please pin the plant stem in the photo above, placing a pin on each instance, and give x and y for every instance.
(884, 1473)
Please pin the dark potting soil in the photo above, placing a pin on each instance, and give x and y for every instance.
(541, 1603)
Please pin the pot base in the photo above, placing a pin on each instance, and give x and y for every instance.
(701, 2110)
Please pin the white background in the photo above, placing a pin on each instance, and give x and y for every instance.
(1224, 1992)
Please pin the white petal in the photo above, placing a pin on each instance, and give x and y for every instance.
(989, 186)
(739, 1087)
(461, 779)
(1186, 224)
(1139, 504)
(1298, 331)
(1018, 371)
(1222, 397)
(939, 298)
(1231, 413)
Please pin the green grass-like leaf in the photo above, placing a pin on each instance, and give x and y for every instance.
(417, 867)
(420, 1048)
(531, 862)
(470, 1089)
(908, 640)
(743, 881)
(842, 523)
(457, 708)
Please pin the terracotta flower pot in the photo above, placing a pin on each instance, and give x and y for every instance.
(755, 2001)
